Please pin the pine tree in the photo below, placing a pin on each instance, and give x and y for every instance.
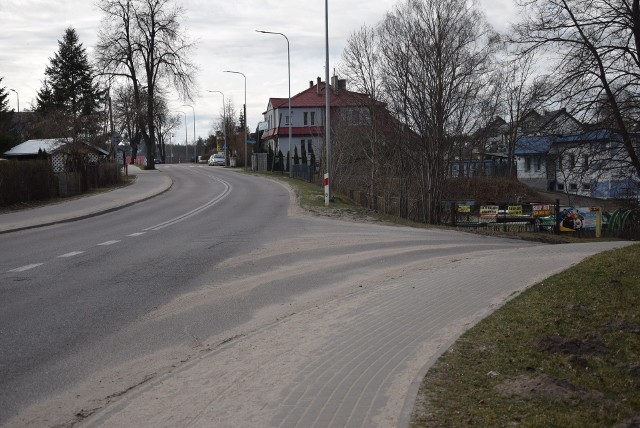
(8, 138)
(4, 98)
(44, 99)
(69, 86)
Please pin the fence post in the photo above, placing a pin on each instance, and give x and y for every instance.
(454, 214)
(557, 213)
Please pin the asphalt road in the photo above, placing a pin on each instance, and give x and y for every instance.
(216, 304)
(64, 289)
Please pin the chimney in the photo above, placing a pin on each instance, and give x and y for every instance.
(310, 83)
(318, 87)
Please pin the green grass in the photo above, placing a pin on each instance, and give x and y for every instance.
(312, 195)
(565, 353)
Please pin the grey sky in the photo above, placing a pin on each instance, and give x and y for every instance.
(226, 40)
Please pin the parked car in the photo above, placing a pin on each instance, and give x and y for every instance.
(217, 159)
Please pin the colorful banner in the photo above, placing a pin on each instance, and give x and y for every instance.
(542, 210)
(583, 218)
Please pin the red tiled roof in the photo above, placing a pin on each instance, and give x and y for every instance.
(313, 98)
(277, 102)
(341, 98)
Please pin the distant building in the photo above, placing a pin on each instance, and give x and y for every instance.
(593, 163)
(308, 116)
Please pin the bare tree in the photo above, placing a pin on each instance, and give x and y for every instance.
(597, 67)
(126, 116)
(164, 124)
(142, 39)
(524, 91)
(227, 126)
(436, 54)
(361, 65)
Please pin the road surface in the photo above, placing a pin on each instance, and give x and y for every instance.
(220, 304)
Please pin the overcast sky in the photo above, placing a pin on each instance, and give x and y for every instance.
(226, 40)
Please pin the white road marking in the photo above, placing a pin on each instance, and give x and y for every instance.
(137, 234)
(224, 194)
(108, 243)
(71, 254)
(27, 267)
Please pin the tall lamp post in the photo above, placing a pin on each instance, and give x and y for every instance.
(17, 96)
(186, 141)
(195, 146)
(327, 125)
(245, 114)
(289, 75)
(224, 126)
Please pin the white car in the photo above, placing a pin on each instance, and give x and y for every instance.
(217, 159)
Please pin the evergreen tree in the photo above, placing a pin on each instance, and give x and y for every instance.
(44, 99)
(8, 138)
(4, 98)
(69, 86)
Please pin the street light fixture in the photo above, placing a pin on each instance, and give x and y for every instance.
(245, 114)
(18, 96)
(186, 143)
(289, 75)
(224, 126)
(195, 147)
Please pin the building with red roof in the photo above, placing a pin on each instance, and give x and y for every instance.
(308, 110)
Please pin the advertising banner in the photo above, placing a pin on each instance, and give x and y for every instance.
(542, 210)
(582, 218)
(489, 211)
(514, 210)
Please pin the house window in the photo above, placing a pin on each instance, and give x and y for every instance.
(527, 164)
(585, 162)
(586, 186)
(355, 116)
(306, 118)
(572, 161)
(538, 164)
(573, 186)
(313, 118)
(561, 187)
(286, 120)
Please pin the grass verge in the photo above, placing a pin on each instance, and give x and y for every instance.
(566, 352)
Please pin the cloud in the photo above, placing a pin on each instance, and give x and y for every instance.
(226, 39)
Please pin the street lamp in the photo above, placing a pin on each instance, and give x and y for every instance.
(18, 96)
(195, 147)
(289, 75)
(327, 129)
(171, 135)
(186, 143)
(245, 114)
(224, 126)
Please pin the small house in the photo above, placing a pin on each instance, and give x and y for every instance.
(58, 150)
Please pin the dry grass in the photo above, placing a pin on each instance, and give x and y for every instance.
(564, 353)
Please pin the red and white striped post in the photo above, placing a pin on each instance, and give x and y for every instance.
(326, 189)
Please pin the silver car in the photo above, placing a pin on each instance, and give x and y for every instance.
(217, 159)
